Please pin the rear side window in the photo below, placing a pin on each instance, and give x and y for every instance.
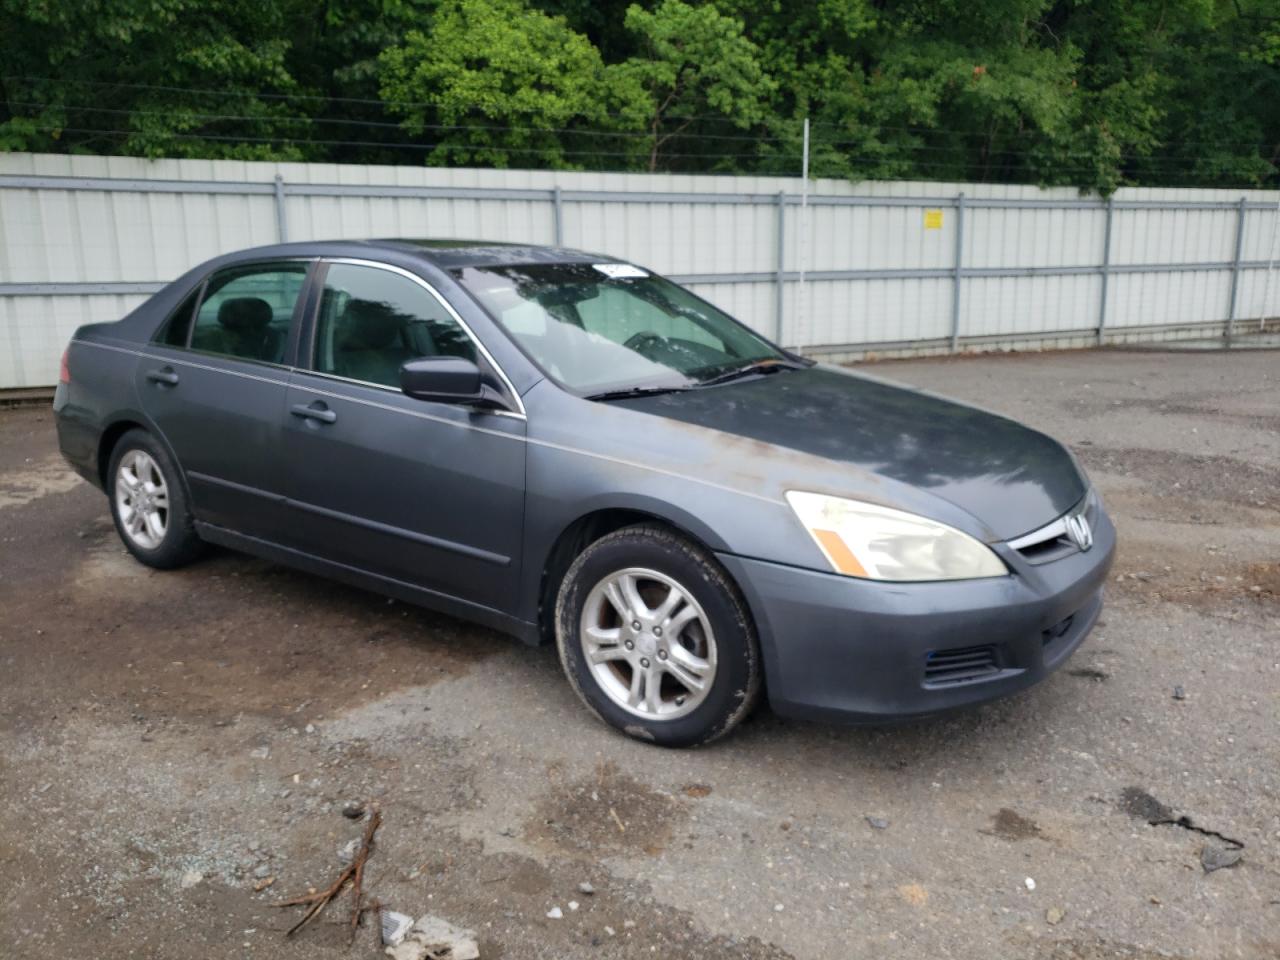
(372, 321)
(247, 311)
(177, 328)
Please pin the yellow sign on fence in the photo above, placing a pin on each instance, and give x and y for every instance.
(933, 219)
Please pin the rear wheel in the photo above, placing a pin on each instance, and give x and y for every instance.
(656, 639)
(148, 503)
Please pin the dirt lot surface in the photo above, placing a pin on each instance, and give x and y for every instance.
(170, 742)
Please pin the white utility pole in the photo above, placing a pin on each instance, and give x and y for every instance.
(1271, 264)
(803, 228)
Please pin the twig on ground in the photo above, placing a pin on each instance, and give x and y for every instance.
(352, 874)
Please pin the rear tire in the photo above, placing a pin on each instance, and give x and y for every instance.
(149, 503)
(656, 639)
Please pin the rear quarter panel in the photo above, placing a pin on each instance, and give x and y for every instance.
(99, 395)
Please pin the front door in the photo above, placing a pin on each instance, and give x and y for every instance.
(214, 384)
(426, 493)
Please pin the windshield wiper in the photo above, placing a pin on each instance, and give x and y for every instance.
(758, 368)
(627, 393)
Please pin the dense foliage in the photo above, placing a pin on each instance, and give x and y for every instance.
(1093, 93)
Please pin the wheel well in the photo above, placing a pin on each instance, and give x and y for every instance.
(572, 541)
(110, 437)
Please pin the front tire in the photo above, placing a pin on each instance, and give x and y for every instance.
(149, 504)
(656, 639)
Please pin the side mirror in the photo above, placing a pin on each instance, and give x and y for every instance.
(448, 380)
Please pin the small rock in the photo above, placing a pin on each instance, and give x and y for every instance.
(573, 905)
(395, 926)
(1053, 916)
(1179, 693)
(586, 887)
(191, 878)
(1029, 883)
(1218, 858)
(347, 852)
(353, 810)
(610, 931)
(262, 871)
(432, 938)
(310, 728)
(555, 913)
(260, 753)
(263, 884)
(254, 846)
(778, 908)
(878, 823)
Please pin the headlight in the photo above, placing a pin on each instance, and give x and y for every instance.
(879, 543)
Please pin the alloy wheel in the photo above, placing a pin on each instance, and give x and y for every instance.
(142, 499)
(648, 644)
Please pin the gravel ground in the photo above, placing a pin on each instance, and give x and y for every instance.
(169, 742)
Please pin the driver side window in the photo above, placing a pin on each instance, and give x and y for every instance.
(372, 321)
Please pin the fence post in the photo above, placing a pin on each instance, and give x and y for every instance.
(955, 286)
(1106, 269)
(779, 282)
(1235, 266)
(557, 216)
(282, 231)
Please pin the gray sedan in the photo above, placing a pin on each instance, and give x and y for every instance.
(571, 449)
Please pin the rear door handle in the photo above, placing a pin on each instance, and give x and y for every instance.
(164, 375)
(314, 411)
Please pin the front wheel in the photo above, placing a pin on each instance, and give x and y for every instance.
(656, 639)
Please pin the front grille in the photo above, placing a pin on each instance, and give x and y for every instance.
(1048, 550)
(959, 664)
(1051, 542)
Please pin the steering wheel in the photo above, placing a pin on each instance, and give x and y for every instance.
(641, 342)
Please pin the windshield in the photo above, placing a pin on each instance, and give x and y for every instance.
(599, 328)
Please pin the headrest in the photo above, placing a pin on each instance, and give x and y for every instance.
(369, 325)
(245, 314)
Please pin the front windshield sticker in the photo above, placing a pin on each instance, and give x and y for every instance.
(621, 271)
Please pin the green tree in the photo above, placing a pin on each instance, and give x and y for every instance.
(149, 77)
(694, 62)
(334, 58)
(495, 82)
(1091, 93)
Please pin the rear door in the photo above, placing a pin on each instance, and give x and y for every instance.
(214, 384)
(427, 493)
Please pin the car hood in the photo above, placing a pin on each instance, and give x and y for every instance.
(1011, 478)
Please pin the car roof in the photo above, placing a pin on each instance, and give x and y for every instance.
(443, 253)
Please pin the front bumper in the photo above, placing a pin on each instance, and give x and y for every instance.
(863, 651)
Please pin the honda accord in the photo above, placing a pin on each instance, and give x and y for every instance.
(571, 449)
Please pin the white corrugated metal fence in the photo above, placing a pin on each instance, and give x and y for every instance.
(890, 267)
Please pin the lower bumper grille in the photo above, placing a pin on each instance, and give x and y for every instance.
(943, 667)
(1057, 631)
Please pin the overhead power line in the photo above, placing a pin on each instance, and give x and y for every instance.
(917, 130)
(545, 152)
(890, 153)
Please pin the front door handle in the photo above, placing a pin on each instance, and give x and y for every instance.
(314, 411)
(164, 375)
